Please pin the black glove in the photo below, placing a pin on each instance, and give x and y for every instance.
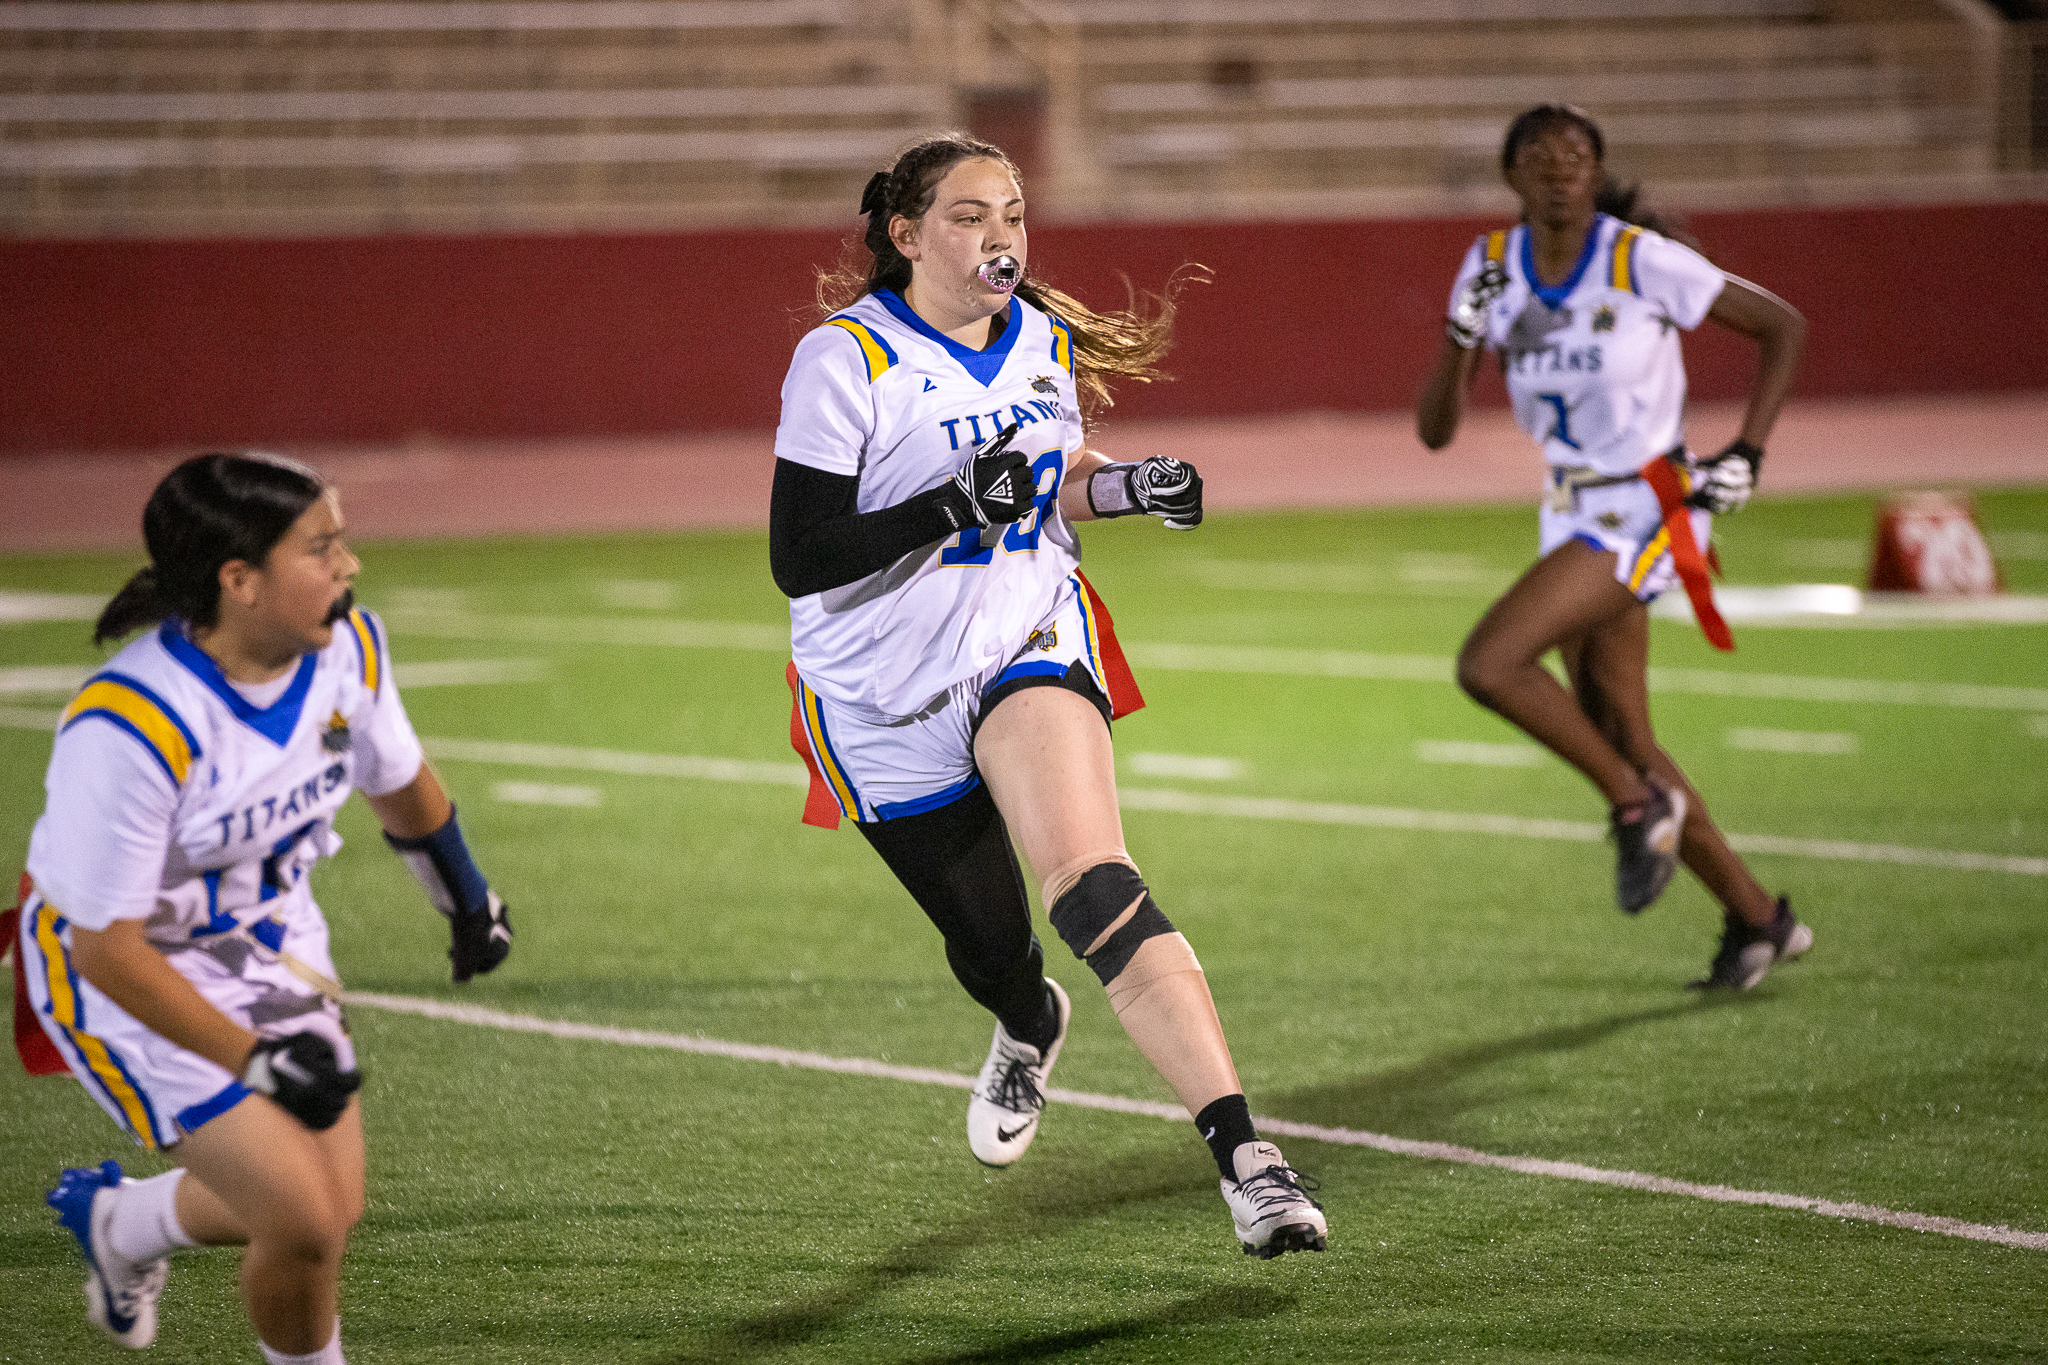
(1724, 483)
(301, 1073)
(1466, 326)
(1161, 486)
(481, 938)
(994, 486)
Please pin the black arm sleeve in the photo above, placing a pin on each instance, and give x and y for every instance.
(817, 540)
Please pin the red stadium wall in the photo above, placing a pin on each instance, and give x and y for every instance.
(138, 345)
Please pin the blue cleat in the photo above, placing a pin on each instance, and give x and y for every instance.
(120, 1298)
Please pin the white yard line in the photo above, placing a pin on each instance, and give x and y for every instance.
(1347, 1137)
(1232, 807)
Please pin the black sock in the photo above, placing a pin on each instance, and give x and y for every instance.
(1043, 1029)
(1226, 1124)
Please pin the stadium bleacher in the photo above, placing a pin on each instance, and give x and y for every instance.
(140, 117)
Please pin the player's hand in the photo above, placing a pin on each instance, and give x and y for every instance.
(1723, 484)
(1467, 323)
(1169, 489)
(480, 938)
(996, 482)
(303, 1075)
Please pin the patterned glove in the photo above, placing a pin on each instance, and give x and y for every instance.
(1723, 484)
(995, 485)
(301, 1073)
(1467, 323)
(1162, 486)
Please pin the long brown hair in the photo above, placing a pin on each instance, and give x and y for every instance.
(1128, 343)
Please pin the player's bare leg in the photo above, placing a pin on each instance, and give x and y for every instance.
(1609, 668)
(291, 1196)
(1567, 593)
(1046, 756)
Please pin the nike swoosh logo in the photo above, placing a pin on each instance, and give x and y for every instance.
(1012, 1134)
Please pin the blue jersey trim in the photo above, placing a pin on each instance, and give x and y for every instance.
(1554, 295)
(192, 1117)
(1035, 669)
(918, 806)
(981, 366)
(274, 722)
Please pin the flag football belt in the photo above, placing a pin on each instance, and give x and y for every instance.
(1567, 481)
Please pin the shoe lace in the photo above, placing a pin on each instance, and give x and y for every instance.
(1016, 1090)
(1279, 1187)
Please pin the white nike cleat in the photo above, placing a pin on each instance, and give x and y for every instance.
(1009, 1095)
(1270, 1204)
(120, 1297)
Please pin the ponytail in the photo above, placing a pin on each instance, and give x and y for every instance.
(139, 603)
(1126, 344)
(208, 511)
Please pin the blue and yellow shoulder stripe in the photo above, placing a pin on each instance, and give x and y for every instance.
(873, 346)
(1062, 343)
(132, 706)
(1621, 265)
(367, 630)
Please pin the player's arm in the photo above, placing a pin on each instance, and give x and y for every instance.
(1441, 404)
(818, 538)
(125, 967)
(1780, 334)
(1096, 487)
(419, 824)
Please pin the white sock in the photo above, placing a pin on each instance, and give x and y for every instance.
(144, 1224)
(330, 1354)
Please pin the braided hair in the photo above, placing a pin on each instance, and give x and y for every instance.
(1126, 344)
(209, 510)
(1612, 198)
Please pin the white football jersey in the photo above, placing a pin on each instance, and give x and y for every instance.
(877, 393)
(1592, 364)
(174, 799)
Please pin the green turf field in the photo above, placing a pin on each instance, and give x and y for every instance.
(538, 1199)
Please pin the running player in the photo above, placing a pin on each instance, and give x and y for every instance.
(1583, 309)
(954, 674)
(174, 954)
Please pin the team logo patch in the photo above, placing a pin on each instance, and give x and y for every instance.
(336, 739)
(1043, 384)
(1610, 520)
(1043, 639)
(1603, 319)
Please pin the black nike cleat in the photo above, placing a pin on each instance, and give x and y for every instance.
(1646, 846)
(1748, 951)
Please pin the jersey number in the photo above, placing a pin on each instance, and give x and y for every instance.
(1563, 430)
(1022, 534)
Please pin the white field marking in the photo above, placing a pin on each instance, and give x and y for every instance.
(614, 761)
(1839, 606)
(1229, 807)
(19, 608)
(28, 718)
(594, 630)
(1425, 566)
(1187, 766)
(544, 794)
(1472, 751)
(1310, 663)
(1345, 1137)
(467, 672)
(2037, 726)
(1340, 663)
(639, 594)
(1414, 575)
(36, 679)
(431, 601)
(1792, 741)
(1571, 831)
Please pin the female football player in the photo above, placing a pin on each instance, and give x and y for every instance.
(174, 954)
(955, 676)
(1583, 308)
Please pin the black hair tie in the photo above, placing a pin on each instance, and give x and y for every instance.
(876, 196)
